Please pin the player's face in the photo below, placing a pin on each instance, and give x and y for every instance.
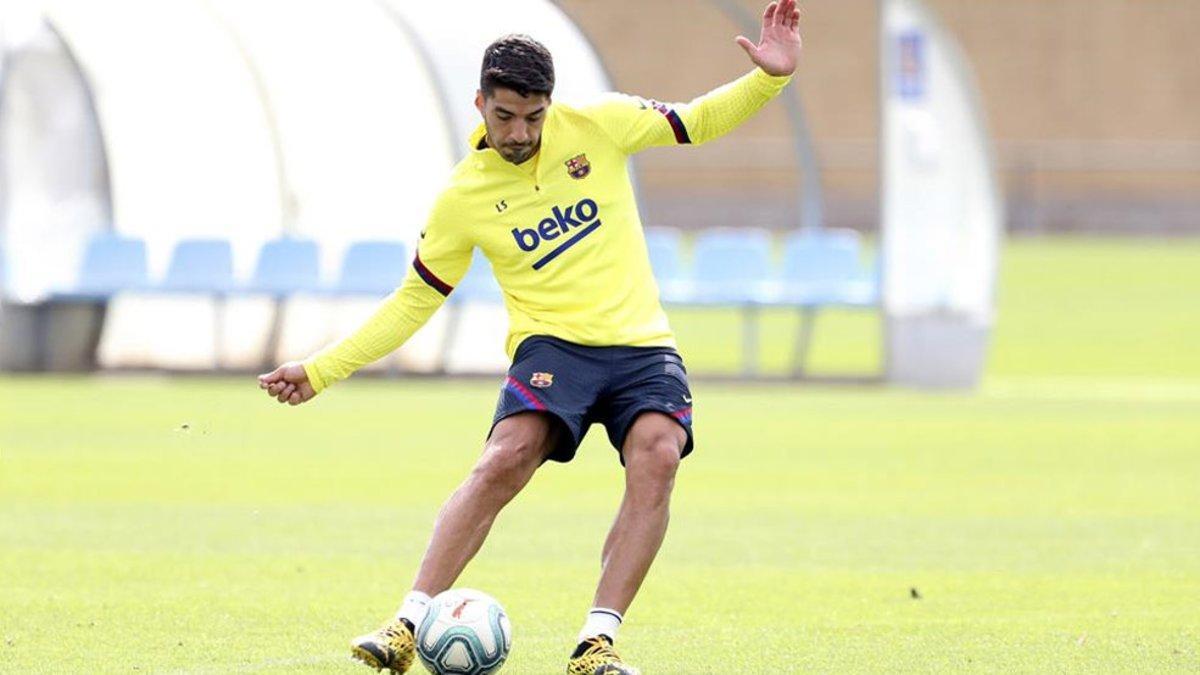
(514, 122)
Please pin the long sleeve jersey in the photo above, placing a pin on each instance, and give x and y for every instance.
(561, 230)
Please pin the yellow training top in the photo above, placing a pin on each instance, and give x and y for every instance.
(561, 230)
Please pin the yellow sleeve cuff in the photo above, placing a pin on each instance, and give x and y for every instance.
(773, 83)
(314, 375)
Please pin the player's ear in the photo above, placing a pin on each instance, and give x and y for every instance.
(479, 101)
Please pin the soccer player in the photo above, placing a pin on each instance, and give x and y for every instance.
(545, 193)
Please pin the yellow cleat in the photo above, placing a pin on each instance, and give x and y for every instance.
(392, 647)
(596, 656)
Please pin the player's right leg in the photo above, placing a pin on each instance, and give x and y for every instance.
(516, 448)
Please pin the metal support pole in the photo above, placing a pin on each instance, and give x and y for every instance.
(750, 339)
(808, 320)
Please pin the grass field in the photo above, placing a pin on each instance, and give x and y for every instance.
(1050, 522)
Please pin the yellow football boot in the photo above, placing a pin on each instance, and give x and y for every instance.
(596, 656)
(392, 647)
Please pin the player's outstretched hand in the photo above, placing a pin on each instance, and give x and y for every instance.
(778, 49)
(288, 384)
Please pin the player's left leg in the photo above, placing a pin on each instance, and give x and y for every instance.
(647, 411)
(651, 452)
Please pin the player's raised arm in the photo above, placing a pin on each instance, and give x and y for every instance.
(635, 124)
(441, 260)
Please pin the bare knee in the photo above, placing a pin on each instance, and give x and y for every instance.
(505, 468)
(511, 456)
(652, 453)
(657, 461)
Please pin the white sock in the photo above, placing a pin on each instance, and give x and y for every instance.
(601, 621)
(415, 605)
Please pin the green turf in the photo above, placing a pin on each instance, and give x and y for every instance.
(1050, 522)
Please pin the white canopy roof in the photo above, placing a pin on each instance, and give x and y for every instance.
(245, 120)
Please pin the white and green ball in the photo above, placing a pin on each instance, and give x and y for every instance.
(465, 632)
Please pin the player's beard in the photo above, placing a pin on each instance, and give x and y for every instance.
(518, 154)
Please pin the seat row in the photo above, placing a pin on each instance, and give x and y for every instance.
(114, 264)
(737, 266)
(727, 267)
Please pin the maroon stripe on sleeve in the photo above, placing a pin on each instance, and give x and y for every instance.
(681, 134)
(429, 277)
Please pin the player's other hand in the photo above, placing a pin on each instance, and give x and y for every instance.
(778, 49)
(287, 384)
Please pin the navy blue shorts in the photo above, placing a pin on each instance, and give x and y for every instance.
(584, 385)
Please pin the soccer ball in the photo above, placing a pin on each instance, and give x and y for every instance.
(465, 632)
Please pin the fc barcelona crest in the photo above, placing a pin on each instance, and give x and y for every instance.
(579, 167)
(542, 380)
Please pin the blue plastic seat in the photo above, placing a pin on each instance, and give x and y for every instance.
(287, 266)
(733, 266)
(111, 264)
(665, 246)
(200, 266)
(372, 268)
(479, 284)
(822, 267)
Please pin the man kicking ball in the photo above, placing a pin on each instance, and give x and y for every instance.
(545, 193)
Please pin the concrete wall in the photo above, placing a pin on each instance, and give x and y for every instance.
(1094, 106)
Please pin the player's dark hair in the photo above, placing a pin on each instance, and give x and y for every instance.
(517, 62)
